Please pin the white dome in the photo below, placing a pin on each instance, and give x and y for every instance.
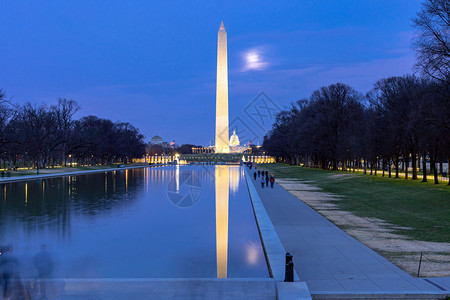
(156, 140)
(234, 139)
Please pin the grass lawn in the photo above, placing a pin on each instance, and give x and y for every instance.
(424, 207)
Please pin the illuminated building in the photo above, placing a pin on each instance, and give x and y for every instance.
(156, 140)
(235, 145)
(234, 139)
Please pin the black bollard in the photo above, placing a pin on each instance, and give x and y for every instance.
(288, 257)
(289, 269)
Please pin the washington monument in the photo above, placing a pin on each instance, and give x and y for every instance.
(222, 93)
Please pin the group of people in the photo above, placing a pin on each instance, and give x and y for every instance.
(264, 175)
(265, 178)
(12, 285)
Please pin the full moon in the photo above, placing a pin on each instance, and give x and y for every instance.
(253, 60)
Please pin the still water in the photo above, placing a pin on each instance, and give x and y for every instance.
(174, 222)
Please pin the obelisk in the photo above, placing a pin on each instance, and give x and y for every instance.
(222, 93)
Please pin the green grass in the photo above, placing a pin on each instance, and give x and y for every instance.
(424, 207)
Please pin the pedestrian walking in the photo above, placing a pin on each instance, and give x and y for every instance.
(9, 266)
(44, 264)
(259, 173)
(254, 175)
(272, 181)
(267, 181)
(267, 173)
(262, 182)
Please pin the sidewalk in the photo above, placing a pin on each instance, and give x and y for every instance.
(330, 261)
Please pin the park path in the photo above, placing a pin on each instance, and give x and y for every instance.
(329, 260)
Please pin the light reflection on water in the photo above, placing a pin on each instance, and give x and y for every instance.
(222, 183)
(125, 224)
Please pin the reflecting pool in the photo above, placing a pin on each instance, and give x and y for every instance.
(172, 222)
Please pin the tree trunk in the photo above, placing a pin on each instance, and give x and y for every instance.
(435, 171)
(448, 169)
(376, 166)
(424, 167)
(365, 166)
(396, 167)
(406, 167)
(418, 162)
(414, 166)
(390, 168)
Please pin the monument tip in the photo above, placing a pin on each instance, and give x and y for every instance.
(222, 27)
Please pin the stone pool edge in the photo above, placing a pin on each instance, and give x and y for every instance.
(45, 176)
(274, 249)
(162, 288)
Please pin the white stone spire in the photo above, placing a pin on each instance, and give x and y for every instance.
(222, 133)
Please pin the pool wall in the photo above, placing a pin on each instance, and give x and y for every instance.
(274, 249)
(151, 288)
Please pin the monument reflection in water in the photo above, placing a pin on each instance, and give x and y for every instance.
(222, 199)
(172, 222)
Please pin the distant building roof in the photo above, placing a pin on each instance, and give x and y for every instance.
(156, 140)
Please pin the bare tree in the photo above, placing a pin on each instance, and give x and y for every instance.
(7, 114)
(2, 96)
(64, 112)
(433, 39)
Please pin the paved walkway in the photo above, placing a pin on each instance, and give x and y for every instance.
(329, 260)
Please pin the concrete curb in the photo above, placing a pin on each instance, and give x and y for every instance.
(274, 249)
(379, 295)
(161, 288)
(44, 176)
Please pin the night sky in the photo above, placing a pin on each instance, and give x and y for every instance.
(153, 63)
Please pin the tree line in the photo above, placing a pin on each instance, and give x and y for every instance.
(401, 121)
(41, 136)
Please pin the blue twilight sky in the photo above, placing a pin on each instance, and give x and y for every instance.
(153, 63)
